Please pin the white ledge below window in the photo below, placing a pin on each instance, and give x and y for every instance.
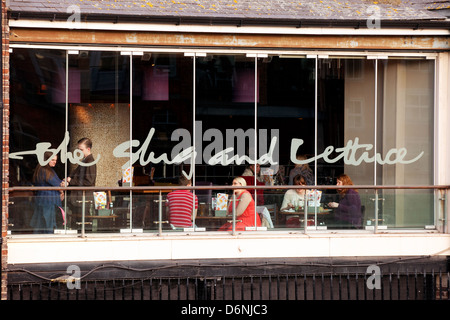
(147, 246)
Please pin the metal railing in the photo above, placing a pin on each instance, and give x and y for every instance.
(417, 285)
(157, 194)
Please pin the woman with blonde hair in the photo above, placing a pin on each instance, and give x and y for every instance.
(245, 208)
(347, 211)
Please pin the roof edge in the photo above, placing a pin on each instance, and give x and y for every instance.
(237, 21)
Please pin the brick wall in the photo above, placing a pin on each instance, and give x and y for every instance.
(5, 151)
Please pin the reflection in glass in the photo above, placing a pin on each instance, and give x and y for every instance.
(98, 121)
(383, 106)
(161, 115)
(407, 104)
(37, 114)
(286, 111)
(346, 109)
(225, 118)
(225, 90)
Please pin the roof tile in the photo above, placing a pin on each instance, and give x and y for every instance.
(269, 9)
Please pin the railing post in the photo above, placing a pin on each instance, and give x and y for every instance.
(234, 215)
(305, 215)
(160, 222)
(442, 211)
(83, 213)
(131, 211)
(160, 213)
(376, 212)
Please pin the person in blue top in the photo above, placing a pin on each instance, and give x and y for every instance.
(47, 202)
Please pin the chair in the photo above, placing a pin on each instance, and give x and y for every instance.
(363, 215)
(273, 211)
(272, 208)
(266, 215)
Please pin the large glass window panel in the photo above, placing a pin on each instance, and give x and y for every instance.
(346, 135)
(286, 111)
(344, 111)
(162, 123)
(406, 131)
(99, 109)
(37, 115)
(225, 118)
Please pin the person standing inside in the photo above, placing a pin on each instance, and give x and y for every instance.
(82, 176)
(47, 202)
(183, 205)
(253, 170)
(250, 173)
(302, 169)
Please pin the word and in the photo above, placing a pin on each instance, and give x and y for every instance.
(213, 154)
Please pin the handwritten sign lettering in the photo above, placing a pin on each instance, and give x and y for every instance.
(353, 153)
(42, 147)
(349, 154)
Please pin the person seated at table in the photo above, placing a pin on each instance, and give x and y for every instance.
(347, 212)
(182, 205)
(245, 209)
(294, 197)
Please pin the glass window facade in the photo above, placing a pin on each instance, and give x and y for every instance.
(153, 117)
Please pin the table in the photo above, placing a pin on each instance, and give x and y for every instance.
(321, 213)
(105, 223)
(218, 221)
(213, 222)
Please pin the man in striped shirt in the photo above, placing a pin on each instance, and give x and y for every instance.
(182, 205)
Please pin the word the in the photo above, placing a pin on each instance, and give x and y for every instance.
(42, 147)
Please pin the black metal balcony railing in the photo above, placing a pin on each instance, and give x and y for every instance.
(321, 286)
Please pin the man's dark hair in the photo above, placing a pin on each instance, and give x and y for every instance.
(86, 141)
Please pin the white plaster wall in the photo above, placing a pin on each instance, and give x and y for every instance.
(60, 248)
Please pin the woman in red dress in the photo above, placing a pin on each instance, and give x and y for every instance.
(245, 209)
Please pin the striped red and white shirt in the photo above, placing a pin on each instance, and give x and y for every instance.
(180, 207)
